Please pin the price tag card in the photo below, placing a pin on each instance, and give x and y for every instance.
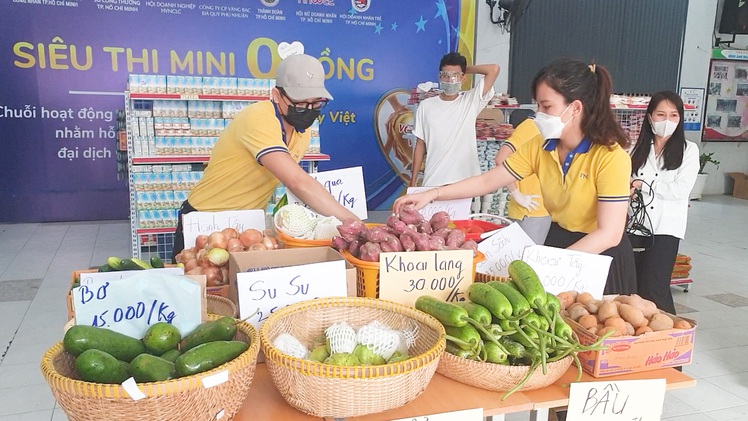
(345, 185)
(446, 274)
(197, 223)
(457, 209)
(562, 270)
(100, 277)
(502, 248)
(629, 400)
(131, 305)
(268, 290)
(464, 415)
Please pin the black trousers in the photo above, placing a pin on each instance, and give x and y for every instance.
(622, 273)
(179, 233)
(654, 268)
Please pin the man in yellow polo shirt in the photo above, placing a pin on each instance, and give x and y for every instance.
(263, 146)
(526, 204)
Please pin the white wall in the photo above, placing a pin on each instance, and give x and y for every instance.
(493, 47)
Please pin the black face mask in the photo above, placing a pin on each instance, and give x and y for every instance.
(301, 120)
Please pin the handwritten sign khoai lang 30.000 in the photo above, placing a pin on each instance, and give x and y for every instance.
(131, 305)
(405, 276)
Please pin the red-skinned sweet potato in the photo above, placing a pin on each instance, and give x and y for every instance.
(425, 227)
(370, 252)
(422, 241)
(375, 234)
(410, 215)
(406, 240)
(455, 238)
(339, 243)
(439, 220)
(354, 247)
(436, 243)
(442, 232)
(469, 245)
(391, 244)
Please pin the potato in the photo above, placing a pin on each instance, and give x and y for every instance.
(619, 324)
(566, 298)
(643, 330)
(607, 310)
(605, 330)
(633, 315)
(623, 299)
(630, 329)
(592, 306)
(660, 321)
(682, 324)
(588, 321)
(648, 308)
(593, 330)
(577, 312)
(584, 297)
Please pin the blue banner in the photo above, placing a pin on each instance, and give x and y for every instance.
(65, 65)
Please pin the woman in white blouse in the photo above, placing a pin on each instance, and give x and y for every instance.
(664, 168)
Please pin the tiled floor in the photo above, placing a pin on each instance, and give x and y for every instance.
(36, 261)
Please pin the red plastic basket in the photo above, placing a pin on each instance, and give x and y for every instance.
(473, 228)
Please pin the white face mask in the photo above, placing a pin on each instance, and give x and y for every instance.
(450, 88)
(550, 126)
(664, 128)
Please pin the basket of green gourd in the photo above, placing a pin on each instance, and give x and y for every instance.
(344, 357)
(508, 336)
(98, 374)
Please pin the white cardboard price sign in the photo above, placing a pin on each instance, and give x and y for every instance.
(562, 270)
(457, 209)
(131, 305)
(502, 248)
(269, 290)
(629, 400)
(345, 185)
(197, 223)
(475, 414)
(99, 277)
(444, 274)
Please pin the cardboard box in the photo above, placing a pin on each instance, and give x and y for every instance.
(631, 354)
(741, 185)
(242, 261)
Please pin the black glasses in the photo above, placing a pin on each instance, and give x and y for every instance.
(301, 106)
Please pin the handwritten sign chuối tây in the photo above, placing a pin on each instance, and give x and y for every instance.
(405, 276)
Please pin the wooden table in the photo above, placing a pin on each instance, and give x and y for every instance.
(445, 395)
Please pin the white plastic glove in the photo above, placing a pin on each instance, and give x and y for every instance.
(527, 201)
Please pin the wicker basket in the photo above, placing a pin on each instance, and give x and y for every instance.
(222, 306)
(179, 399)
(499, 377)
(325, 390)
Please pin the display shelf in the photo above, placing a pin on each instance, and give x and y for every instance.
(198, 97)
(167, 230)
(201, 159)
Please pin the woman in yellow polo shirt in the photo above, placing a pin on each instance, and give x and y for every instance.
(526, 204)
(581, 164)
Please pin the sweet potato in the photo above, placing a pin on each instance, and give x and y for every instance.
(339, 243)
(607, 329)
(407, 242)
(439, 220)
(410, 215)
(370, 252)
(351, 227)
(392, 220)
(469, 245)
(442, 232)
(425, 227)
(355, 248)
(592, 306)
(619, 324)
(633, 315)
(577, 312)
(455, 238)
(623, 299)
(660, 321)
(375, 234)
(399, 227)
(422, 241)
(630, 331)
(681, 324)
(648, 308)
(436, 243)
(391, 244)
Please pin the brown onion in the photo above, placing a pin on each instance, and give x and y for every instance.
(230, 233)
(190, 264)
(213, 277)
(202, 258)
(179, 258)
(270, 242)
(235, 245)
(257, 246)
(225, 274)
(196, 271)
(201, 241)
(218, 256)
(188, 254)
(250, 236)
(217, 240)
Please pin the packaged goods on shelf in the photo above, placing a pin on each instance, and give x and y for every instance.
(155, 84)
(229, 109)
(314, 141)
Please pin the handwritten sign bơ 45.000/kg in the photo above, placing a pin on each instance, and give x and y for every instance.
(131, 305)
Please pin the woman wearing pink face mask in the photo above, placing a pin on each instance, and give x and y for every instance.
(664, 169)
(581, 164)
